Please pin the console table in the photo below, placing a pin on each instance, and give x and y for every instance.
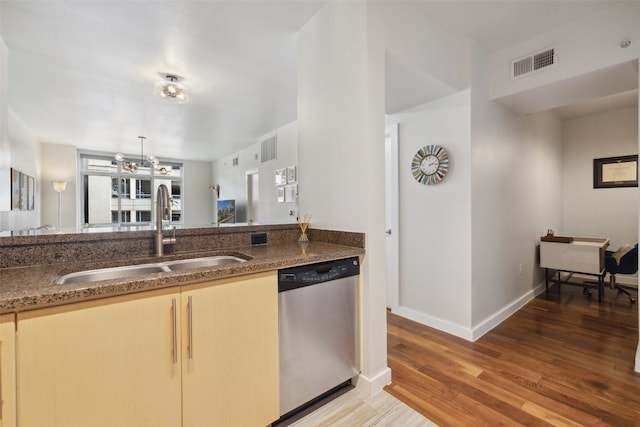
(581, 255)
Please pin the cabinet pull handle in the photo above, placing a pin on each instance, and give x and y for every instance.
(175, 330)
(190, 314)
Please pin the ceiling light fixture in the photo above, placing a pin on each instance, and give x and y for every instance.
(131, 166)
(171, 89)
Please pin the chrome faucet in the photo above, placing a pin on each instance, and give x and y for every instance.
(163, 212)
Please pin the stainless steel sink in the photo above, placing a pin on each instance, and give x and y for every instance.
(129, 271)
(213, 261)
(111, 273)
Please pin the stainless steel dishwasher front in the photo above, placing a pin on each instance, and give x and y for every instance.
(318, 325)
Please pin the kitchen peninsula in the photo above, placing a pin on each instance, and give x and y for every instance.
(190, 348)
(29, 265)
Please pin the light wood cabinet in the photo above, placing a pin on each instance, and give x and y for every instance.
(103, 363)
(112, 362)
(230, 360)
(7, 371)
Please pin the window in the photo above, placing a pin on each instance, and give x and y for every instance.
(143, 188)
(145, 216)
(112, 195)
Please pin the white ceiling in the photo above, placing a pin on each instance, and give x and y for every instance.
(82, 72)
(618, 101)
(498, 24)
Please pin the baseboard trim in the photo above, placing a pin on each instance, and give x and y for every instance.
(434, 322)
(502, 315)
(470, 334)
(372, 386)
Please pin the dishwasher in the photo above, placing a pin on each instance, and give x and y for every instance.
(318, 327)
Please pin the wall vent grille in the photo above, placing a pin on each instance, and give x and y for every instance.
(531, 63)
(268, 149)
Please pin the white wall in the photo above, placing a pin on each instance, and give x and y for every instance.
(435, 220)
(268, 209)
(197, 200)
(341, 154)
(401, 29)
(5, 149)
(59, 163)
(24, 157)
(602, 212)
(232, 179)
(516, 190)
(514, 182)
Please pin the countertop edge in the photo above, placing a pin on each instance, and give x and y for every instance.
(268, 258)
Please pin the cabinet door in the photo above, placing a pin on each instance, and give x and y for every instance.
(103, 363)
(7, 371)
(230, 360)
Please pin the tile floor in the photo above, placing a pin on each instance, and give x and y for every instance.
(353, 409)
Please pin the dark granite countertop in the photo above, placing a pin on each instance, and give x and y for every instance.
(31, 287)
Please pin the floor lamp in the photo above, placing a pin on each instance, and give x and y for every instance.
(59, 187)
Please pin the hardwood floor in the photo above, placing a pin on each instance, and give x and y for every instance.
(562, 360)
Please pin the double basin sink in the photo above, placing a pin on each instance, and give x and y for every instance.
(129, 271)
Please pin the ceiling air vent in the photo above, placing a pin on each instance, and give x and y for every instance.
(529, 64)
(268, 149)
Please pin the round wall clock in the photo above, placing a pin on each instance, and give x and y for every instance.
(430, 164)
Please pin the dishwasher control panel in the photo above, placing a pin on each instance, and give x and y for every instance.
(305, 275)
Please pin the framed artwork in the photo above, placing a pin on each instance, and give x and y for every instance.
(15, 189)
(226, 211)
(612, 172)
(31, 193)
(291, 174)
(280, 194)
(24, 192)
(290, 192)
(281, 176)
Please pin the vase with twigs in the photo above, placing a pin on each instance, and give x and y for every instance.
(304, 223)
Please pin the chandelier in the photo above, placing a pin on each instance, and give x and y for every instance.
(131, 166)
(171, 89)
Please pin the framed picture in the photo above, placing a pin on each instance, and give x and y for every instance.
(226, 211)
(24, 192)
(31, 193)
(611, 172)
(290, 192)
(15, 189)
(280, 194)
(291, 174)
(281, 176)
